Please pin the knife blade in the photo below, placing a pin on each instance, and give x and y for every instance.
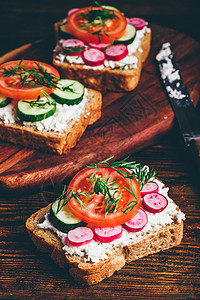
(179, 98)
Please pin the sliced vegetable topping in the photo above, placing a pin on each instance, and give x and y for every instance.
(69, 92)
(71, 11)
(128, 36)
(108, 234)
(80, 236)
(103, 197)
(93, 57)
(149, 187)
(25, 79)
(4, 100)
(155, 202)
(138, 222)
(98, 46)
(36, 110)
(97, 24)
(107, 193)
(63, 219)
(116, 52)
(73, 47)
(137, 22)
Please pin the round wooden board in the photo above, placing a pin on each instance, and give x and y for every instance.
(130, 121)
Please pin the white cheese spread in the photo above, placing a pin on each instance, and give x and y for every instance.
(96, 251)
(58, 123)
(130, 61)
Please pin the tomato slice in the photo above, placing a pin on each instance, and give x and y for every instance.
(11, 86)
(94, 214)
(97, 24)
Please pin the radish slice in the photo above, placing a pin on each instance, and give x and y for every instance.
(98, 46)
(93, 57)
(138, 222)
(155, 202)
(150, 187)
(73, 44)
(137, 22)
(116, 52)
(80, 236)
(108, 234)
(71, 11)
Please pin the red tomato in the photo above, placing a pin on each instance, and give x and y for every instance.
(94, 214)
(10, 86)
(84, 24)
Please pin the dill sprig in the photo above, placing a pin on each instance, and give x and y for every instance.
(97, 18)
(77, 49)
(41, 102)
(136, 170)
(65, 198)
(110, 189)
(31, 77)
(143, 175)
(68, 87)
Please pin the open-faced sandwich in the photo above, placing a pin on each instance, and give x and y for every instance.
(112, 213)
(41, 111)
(101, 48)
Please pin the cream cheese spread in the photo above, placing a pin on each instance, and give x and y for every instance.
(96, 251)
(130, 61)
(59, 122)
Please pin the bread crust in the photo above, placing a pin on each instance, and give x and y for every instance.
(106, 79)
(92, 273)
(51, 141)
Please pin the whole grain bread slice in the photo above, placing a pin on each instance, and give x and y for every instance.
(91, 273)
(51, 141)
(105, 79)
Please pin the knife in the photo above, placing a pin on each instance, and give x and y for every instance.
(179, 98)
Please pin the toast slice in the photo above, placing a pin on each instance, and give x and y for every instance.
(35, 136)
(91, 264)
(105, 78)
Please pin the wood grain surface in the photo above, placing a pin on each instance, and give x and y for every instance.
(25, 273)
(129, 122)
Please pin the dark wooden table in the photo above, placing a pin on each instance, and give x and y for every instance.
(25, 273)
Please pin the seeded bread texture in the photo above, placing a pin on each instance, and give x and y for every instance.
(106, 79)
(91, 273)
(51, 141)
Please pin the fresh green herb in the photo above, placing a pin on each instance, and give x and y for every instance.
(61, 198)
(109, 189)
(35, 76)
(97, 18)
(77, 49)
(40, 102)
(65, 198)
(142, 174)
(68, 87)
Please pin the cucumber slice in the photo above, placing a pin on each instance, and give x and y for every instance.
(64, 220)
(4, 101)
(33, 111)
(64, 32)
(129, 35)
(69, 92)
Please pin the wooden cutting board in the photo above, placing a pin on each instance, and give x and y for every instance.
(129, 122)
